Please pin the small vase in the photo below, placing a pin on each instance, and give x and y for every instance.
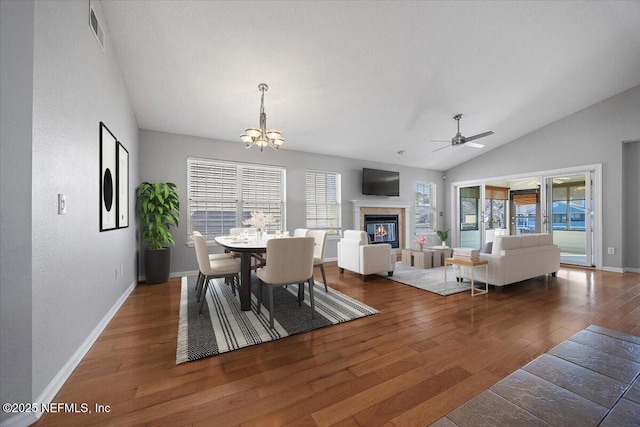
(420, 247)
(444, 243)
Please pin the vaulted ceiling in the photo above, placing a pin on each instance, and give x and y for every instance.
(367, 79)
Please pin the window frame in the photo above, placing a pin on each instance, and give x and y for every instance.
(312, 223)
(424, 208)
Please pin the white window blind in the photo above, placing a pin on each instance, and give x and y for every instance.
(324, 207)
(424, 206)
(223, 194)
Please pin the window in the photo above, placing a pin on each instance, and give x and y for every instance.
(469, 201)
(569, 206)
(221, 195)
(424, 206)
(324, 205)
(496, 199)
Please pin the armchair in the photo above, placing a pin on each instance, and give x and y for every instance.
(357, 255)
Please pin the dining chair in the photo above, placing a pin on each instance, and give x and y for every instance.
(290, 261)
(300, 232)
(229, 269)
(212, 257)
(319, 250)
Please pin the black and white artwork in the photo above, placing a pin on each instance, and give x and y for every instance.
(123, 187)
(108, 214)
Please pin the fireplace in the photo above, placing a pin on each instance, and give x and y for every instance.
(382, 229)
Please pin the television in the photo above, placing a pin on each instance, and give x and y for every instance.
(377, 182)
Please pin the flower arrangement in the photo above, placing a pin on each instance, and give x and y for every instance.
(421, 240)
(259, 220)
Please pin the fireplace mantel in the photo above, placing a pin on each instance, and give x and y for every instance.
(404, 211)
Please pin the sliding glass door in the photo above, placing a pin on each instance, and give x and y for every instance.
(470, 224)
(568, 216)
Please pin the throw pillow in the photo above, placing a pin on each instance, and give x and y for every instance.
(487, 248)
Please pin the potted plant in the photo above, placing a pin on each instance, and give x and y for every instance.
(443, 235)
(158, 209)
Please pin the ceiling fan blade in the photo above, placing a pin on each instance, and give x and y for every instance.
(440, 140)
(473, 144)
(441, 148)
(480, 135)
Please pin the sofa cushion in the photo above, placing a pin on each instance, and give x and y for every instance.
(487, 248)
(502, 243)
(545, 239)
(529, 240)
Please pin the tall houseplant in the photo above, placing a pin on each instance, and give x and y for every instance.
(158, 210)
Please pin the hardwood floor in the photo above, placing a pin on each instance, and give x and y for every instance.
(413, 363)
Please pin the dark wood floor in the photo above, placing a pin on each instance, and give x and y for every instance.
(413, 363)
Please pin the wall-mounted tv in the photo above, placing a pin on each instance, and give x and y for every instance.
(377, 182)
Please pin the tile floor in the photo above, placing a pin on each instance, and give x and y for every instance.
(591, 379)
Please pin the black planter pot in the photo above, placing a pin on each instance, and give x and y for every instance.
(157, 264)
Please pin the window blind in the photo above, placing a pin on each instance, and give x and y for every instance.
(323, 201)
(222, 194)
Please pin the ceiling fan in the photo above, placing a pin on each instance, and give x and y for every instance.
(458, 139)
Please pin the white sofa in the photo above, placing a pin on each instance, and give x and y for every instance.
(516, 258)
(357, 255)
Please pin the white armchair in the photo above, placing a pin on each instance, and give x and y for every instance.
(357, 255)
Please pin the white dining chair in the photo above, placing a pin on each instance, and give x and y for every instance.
(300, 232)
(212, 257)
(229, 269)
(319, 250)
(290, 261)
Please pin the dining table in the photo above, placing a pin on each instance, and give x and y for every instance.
(246, 247)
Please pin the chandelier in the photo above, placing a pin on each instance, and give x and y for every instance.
(262, 137)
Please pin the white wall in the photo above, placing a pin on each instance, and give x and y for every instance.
(590, 136)
(163, 157)
(16, 102)
(70, 270)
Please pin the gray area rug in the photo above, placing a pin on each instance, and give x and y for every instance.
(428, 279)
(223, 327)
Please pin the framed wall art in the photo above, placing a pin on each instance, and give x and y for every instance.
(108, 144)
(122, 203)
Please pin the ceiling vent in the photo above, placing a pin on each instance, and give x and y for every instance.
(96, 28)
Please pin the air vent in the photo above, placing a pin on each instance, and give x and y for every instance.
(96, 27)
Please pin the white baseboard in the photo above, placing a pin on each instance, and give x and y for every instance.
(632, 270)
(63, 375)
(613, 269)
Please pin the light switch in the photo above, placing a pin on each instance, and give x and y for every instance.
(62, 204)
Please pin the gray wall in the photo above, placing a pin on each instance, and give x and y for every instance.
(16, 105)
(163, 157)
(631, 199)
(593, 135)
(61, 284)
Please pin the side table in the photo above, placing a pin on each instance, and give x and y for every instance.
(472, 265)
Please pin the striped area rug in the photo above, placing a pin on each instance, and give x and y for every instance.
(223, 327)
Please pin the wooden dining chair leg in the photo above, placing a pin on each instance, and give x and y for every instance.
(198, 284)
(271, 306)
(324, 278)
(313, 303)
(259, 296)
(204, 293)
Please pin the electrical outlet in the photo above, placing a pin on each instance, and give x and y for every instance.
(611, 251)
